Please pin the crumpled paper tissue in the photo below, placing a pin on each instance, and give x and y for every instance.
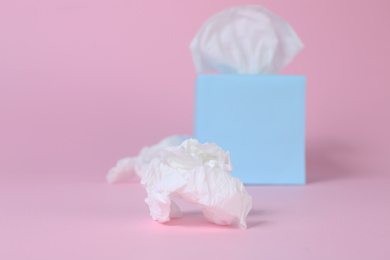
(133, 168)
(199, 174)
(244, 39)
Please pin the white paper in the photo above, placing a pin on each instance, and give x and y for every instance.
(199, 174)
(244, 39)
(133, 168)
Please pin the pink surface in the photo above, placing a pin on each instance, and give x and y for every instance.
(84, 83)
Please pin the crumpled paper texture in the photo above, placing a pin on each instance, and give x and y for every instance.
(244, 39)
(199, 174)
(133, 168)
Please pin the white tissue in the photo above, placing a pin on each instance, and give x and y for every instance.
(199, 174)
(134, 167)
(244, 39)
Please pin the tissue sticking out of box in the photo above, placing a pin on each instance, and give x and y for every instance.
(199, 174)
(244, 39)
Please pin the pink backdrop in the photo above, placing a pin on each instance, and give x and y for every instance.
(84, 83)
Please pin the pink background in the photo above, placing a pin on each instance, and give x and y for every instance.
(84, 83)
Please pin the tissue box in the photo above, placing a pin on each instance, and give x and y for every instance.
(259, 119)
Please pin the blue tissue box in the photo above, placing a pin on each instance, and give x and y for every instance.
(259, 119)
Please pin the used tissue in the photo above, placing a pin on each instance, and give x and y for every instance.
(244, 39)
(199, 174)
